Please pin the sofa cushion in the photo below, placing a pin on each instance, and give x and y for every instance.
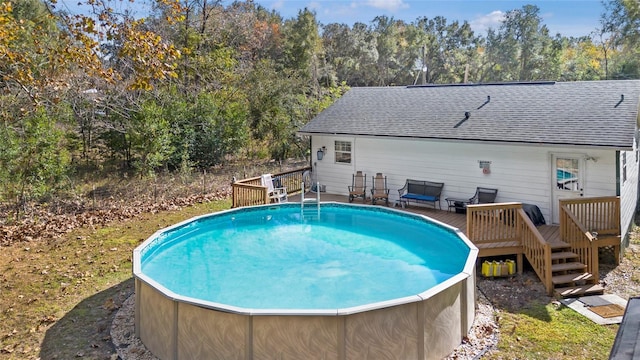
(418, 197)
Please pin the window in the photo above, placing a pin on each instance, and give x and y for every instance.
(343, 152)
(568, 173)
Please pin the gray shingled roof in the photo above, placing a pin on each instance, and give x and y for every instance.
(591, 113)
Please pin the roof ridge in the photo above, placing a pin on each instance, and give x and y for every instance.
(486, 84)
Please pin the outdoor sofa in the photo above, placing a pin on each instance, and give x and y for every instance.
(420, 191)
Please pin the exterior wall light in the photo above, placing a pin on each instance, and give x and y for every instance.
(320, 153)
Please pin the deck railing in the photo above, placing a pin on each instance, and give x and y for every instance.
(586, 220)
(493, 223)
(599, 214)
(250, 192)
(502, 229)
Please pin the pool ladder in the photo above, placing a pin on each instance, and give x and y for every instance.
(310, 200)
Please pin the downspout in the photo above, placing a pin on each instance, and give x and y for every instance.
(311, 151)
(353, 156)
(617, 172)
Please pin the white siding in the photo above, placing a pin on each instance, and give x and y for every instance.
(520, 173)
(628, 191)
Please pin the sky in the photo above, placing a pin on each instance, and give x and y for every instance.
(567, 17)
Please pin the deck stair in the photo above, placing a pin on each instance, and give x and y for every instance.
(569, 277)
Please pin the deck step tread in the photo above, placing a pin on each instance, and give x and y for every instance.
(568, 266)
(563, 255)
(573, 291)
(559, 245)
(569, 278)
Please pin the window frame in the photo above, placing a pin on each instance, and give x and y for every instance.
(343, 151)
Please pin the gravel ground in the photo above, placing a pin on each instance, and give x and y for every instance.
(494, 295)
(482, 337)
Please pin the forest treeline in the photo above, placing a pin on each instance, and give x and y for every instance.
(198, 83)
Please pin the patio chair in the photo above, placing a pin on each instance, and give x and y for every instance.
(276, 194)
(379, 191)
(307, 181)
(483, 195)
(358, 187)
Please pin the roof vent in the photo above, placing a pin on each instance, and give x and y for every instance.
(485, 103)
(621, 100)
(467, 115)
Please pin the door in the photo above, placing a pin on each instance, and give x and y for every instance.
(567, 179)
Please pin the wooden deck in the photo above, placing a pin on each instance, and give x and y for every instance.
(504, 229)
(550, 232)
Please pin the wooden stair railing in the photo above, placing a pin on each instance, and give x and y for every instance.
(576, 263)
(579, 239)
(536, 249)
(590, 223)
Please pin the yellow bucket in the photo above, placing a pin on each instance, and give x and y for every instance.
(511, 267)
(496, 268)
(487, 269)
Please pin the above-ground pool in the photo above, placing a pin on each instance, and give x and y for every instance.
(278, 282)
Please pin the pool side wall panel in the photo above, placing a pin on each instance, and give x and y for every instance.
(429, 329)
(443, 329)
(468, 304)
(295, 337)
(389, 333)
(157, 322)
(208, 334)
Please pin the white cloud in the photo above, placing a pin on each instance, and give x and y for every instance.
(277, 5)
(492, 20)
(389, 5)
(314, 5)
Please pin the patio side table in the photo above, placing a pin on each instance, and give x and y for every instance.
(460, 205)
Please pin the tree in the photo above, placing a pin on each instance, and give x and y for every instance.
(302, 46)
(449, 49)
(619, 38)
(521, 49)
(33, 155)
(580, 60)
(170, 91)
(33, 158)
(351, 53)
(388, 38)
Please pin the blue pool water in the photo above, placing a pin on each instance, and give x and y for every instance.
(274, 258)
(562, 174)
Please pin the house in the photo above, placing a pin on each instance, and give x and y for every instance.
(537, 142)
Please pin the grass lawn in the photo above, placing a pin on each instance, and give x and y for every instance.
(58, 298)
(551, 331)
